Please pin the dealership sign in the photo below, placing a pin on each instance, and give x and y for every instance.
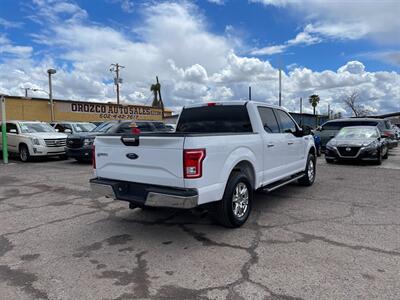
(110, 111)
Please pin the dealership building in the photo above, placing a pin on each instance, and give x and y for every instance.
(39, 109)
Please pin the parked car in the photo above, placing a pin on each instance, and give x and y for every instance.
(357, 143)
(73, 127)
(219, 154)
(329, 129)
(32, 139)
(80, 145)
(317, 142)
(396, 130)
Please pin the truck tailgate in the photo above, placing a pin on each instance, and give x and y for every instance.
(151, 159)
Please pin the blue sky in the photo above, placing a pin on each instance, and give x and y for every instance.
(205, 50)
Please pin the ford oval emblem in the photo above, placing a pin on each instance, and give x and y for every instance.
(132, 156)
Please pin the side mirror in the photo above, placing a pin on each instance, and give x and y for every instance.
(305, 131)
(319, 128)
(67, 131)
(13, 131)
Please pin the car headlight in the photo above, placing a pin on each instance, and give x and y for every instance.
(331, 145)
(372, 145)
(35, 141)
(88, 142)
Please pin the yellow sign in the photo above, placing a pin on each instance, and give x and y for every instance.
(19, 108)
(110, 111)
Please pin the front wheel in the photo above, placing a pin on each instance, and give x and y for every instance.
(386, 154)
(310, 171)
(24, 153)
(235, 206)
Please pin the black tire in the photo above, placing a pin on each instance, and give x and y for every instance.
(224, 211)
(386, 154)
(378, 161)
(329, 160)
(310, 171)
(24, 153)
(63, 157)
(319, 151)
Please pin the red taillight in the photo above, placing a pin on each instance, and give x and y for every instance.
(387, 133)
(94, 157)
(211, 104)
(193, 163)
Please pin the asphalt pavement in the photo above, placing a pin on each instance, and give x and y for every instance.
(338, 239)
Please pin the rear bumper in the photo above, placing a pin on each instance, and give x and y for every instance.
(141, 194)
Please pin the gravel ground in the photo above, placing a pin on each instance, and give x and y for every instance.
(338, 239)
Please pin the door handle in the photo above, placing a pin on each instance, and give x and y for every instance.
(270, 145)
(290, 143)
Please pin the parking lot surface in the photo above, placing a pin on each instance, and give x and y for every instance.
(338, 239)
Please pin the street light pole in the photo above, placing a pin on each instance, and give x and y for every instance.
(50, 72)
(3, 129)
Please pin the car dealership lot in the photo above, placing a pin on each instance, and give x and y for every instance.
(336, 239)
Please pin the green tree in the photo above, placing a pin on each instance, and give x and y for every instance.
(314, 100)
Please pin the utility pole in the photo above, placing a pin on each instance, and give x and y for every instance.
(50, 72)
(329, 111)
(280, 87)
(250, 93)
(26, 91)
(117, 80)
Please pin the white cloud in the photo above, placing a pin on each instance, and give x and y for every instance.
(303, 38)
(218, 2)
(10, 24)
(377, 20)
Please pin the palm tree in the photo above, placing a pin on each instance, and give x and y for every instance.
(314, 100)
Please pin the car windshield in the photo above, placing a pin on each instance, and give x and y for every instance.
(35, 127)
(103, 127)
(83, 127)
(340, 124)
(357, 133)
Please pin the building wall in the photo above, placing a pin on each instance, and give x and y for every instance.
(19, 108)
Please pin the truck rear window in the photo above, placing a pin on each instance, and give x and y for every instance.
(218, 118)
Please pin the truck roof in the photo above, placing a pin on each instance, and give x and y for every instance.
(234, 102)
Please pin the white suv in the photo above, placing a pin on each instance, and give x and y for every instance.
(33, 138)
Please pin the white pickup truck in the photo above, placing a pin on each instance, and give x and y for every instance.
(219, 154)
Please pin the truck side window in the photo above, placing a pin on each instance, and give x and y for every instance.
(268, 119)
(287, 124)
(10, 126)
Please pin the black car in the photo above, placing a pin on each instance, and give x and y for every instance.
(357, 143)
(79, 146)
(329, 129)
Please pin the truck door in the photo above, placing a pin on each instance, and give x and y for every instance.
(273, 147)
(295, 146)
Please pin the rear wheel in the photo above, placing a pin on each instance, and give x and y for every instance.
(24, 153)
(235, 206)
(310, 171)
(386, 154)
